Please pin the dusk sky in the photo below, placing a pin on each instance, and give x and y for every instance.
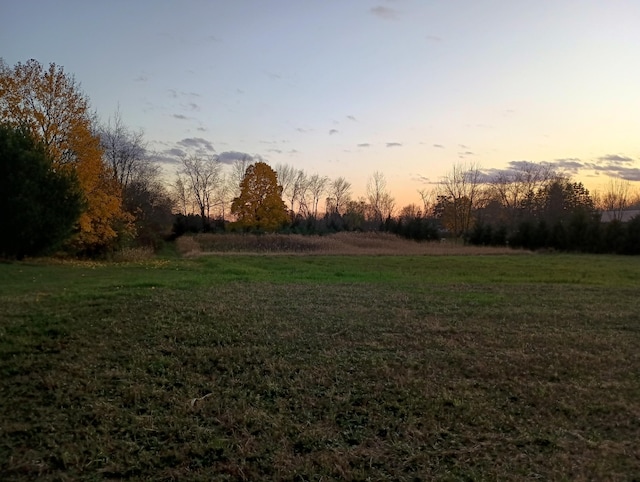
(350, 87)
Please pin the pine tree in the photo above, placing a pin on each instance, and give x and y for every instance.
(40, 204)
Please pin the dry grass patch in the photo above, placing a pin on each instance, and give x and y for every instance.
(188, 246)
(133, 255)
(350, 244)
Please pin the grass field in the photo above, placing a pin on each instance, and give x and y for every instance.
(323, 367)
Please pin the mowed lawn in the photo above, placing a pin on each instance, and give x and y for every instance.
(240, 367)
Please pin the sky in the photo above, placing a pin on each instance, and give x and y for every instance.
(408, 88)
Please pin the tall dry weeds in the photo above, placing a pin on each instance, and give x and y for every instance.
(344, 243)
(188, 246)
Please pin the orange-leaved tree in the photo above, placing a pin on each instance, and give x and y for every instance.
(260, 206)
(50, 104)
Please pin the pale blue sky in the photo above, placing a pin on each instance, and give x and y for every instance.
(346, 88)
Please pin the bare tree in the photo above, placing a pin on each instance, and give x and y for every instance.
(294, 184)
(515, 189)
(459, 190)
(180, 195)
(428, 197)
(230, 185)
(380, 200)
(201, 177)
(303, 194)
(286, 174)
(339, 194)
(410, 211)
(124, 151)
(238, 170)
(616, 198)
(317, 187)
(222, 198)
(144, 195)
(297, 191)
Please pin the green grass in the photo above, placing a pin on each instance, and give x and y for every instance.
(321, 368)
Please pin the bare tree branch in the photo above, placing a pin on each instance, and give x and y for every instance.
(201, 177)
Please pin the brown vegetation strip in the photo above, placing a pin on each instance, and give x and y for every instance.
(349, 244)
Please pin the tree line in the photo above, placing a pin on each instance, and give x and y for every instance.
(87, 187)
(529, 206)
(540, 209)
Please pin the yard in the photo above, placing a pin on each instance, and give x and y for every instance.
(321, 366)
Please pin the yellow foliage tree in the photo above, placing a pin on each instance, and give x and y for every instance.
(260, 205)
(51, 105)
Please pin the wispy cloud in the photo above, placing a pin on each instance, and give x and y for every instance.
(616, 159)
(513, 167)
(333, 131)
(198, 144)
(228, 157)
(433, 38)
(570, 164)
(174, 94)
(364, 144)
(629, 173)
(622, 172)
(439, 146)
(394, 144)
(384, 12)
(350, 117)
(168, 156)
(521, 165)
(175, 152)
(141, 78)
(180, 117)
(424, 179)
(161, 158)
(272, 75)
(616, 165)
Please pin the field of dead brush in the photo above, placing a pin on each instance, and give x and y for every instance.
(344, 244)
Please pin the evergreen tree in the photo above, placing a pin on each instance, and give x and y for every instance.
(40, 204)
